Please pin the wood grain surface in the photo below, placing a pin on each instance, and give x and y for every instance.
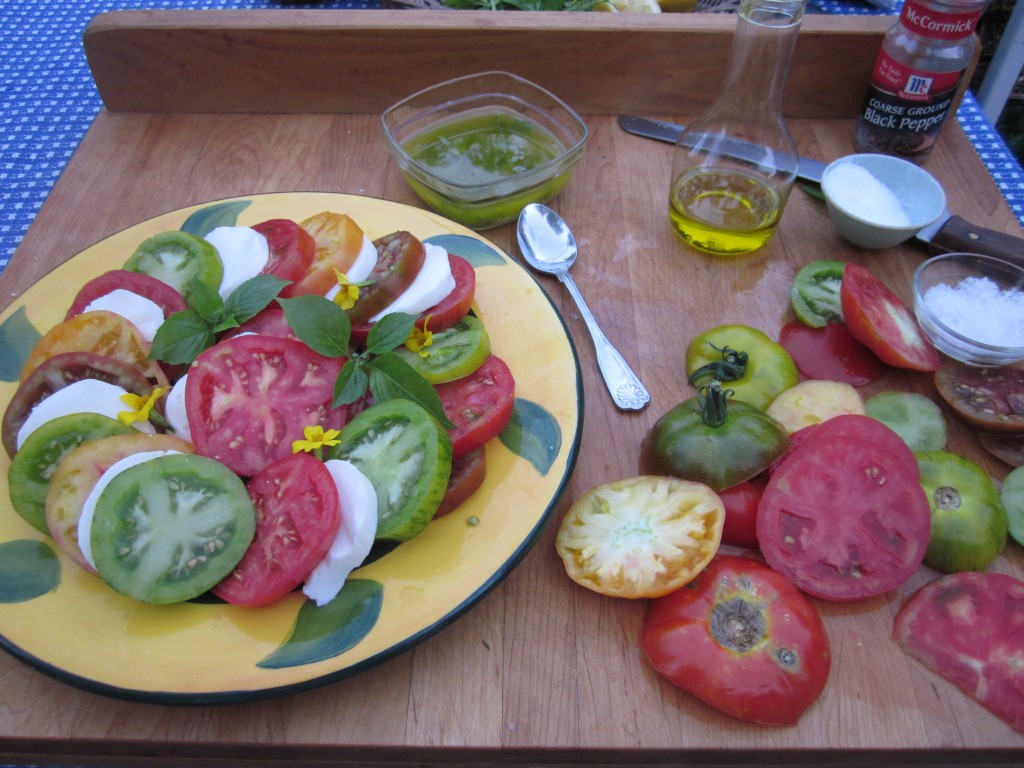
(541, 671)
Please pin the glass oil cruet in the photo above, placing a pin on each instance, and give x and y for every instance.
(735, 165)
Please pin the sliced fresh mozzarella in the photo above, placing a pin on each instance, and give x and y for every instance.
(84, 396)
(432, 284)
(174, 410)
(89, 507)
(361, 267)
(244, 252)
(355, 534)
(144, 314)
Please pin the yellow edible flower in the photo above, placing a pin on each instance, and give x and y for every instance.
(316, 439)
(349, 292)
(419, 340)
(141, 406)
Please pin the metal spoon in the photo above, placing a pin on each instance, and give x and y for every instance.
(548, 246)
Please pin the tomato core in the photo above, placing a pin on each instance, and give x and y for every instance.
(737, 625)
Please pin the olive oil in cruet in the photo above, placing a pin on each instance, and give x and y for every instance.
(735, 165)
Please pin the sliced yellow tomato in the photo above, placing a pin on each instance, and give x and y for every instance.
(78, 473)
(100, 332)
(338, 242)
(641, 537)
(814, 401)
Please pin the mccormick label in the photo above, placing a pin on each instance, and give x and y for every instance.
(911, 84)
(936, 25)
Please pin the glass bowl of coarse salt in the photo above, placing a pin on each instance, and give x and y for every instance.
(878, 201)
(972, 307)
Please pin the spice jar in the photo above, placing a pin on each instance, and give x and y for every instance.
(735, 165)
(916, 76)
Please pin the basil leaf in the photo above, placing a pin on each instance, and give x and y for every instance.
(206, 302)
(181, 338)
(391, 378)
(350, 384)
(390, 331)
(320, 323)
(253, 296)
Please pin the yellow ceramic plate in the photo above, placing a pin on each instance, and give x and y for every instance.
(70, 625)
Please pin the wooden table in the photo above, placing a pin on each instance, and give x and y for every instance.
(206, 105)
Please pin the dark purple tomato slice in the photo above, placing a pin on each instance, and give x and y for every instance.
(58, 372)
(990, 399)
(830, 353)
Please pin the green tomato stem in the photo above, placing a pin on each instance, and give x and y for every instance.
(731, 367)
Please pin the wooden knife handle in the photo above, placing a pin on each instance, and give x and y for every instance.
(958, 234)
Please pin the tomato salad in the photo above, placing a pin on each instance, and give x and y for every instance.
(246, 413)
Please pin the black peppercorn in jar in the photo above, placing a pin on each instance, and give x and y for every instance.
(916, 76)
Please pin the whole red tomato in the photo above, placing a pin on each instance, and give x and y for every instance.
(742, 638)
(741, 502)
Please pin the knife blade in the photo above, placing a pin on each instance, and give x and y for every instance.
(948, 234)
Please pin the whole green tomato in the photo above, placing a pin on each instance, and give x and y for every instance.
(745, 360)
(969, 524)
(712, 440)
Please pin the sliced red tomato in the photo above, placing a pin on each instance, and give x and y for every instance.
(337, 243)
(58, 372)
(830, 353)
(157, 291)
(741, 502)
(881, 321)
(743, 639)
(104, 333)
(297, 518)
(291, 248)
(468, 474)
(844, 516)
(447, 312)
(400, 256)
(479, 405)
(248, 398)
(269, 322)
(969, 629)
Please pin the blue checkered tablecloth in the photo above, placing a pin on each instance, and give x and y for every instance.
(48, 99)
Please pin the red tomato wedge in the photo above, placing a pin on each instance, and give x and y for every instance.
(297, 517)
(844, 516)
(743, 639)
(157, 291)
(969, 629)
(881, 321)
(830, 353)
(446, 312)
(291, 248)
(247, 398)
(479, 405)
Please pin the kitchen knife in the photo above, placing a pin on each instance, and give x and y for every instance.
(947, 234)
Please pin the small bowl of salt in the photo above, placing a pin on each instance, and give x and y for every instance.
(878, 201)
(972, 307)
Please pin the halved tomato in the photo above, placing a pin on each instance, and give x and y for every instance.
(297, 518)
(641, 537)
(249, 397)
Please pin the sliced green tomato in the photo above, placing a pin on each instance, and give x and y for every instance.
(33, 466)
(969, 524)
(408, 458)
(1012, 497)
(814, 294)
(453, 353)
(178, 258)
(912, 416)
(169, 529)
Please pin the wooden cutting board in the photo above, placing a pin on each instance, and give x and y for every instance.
(206, 105)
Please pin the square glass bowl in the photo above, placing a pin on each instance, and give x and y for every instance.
(976, 313)
(479, 148)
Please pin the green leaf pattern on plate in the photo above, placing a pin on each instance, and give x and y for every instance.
(205, 220)
(17, 337)
(28, 569)
(533, 434)
(476, 252)
(325, 632)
